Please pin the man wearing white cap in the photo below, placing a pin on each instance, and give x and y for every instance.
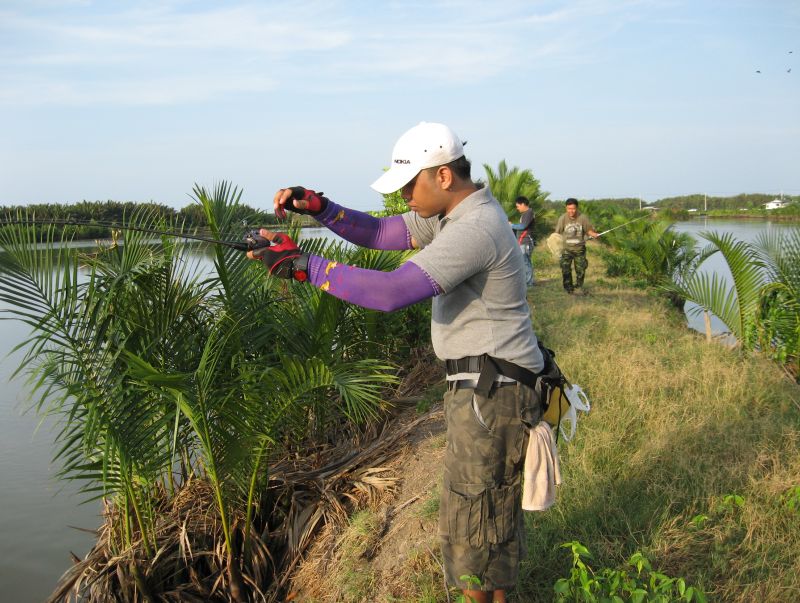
(469, 263)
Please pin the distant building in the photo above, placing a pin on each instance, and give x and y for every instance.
(775, 204)
(691, 210)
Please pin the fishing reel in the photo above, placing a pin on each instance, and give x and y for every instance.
(254, 241)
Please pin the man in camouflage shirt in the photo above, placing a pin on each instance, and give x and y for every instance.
(574, 227)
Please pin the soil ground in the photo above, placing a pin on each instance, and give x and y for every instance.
(363, 560)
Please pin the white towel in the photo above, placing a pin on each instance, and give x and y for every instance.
(542, 472)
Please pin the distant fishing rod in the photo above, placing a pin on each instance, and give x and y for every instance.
(621, 225)
(252, 240)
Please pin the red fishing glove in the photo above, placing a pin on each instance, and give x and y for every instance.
(316, 202)
(282, 256)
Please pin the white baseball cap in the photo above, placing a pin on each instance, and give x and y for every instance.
(423, 146)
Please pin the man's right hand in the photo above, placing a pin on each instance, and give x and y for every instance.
(279, 255)
(299, 200)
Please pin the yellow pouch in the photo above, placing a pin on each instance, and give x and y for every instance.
(558, 407)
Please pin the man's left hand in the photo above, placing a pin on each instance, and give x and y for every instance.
(300, 200)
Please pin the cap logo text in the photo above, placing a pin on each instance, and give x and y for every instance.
(403, 161)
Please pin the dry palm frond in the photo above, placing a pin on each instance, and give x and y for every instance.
(426, 369)
(191, 561)
(189, 564)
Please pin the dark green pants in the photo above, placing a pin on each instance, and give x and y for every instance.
(578, 256)
(480, 514)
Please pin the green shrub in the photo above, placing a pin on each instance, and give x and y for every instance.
(638, 582)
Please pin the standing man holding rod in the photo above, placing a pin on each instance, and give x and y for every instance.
(469, 263)
(574, 227)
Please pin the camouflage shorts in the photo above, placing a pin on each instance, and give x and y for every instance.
(480, 517)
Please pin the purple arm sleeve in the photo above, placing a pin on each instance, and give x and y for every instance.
(373, 289)
(365, 230)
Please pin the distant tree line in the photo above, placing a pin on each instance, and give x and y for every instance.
(624, 203)
(506, 184)
(96, 216)
(737, 202)
(686, 202)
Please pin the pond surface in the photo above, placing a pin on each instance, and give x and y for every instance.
(742, 230)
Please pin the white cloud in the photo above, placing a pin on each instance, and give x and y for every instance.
(90, 56)
(246, 27)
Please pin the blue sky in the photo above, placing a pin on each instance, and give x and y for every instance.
(642, 98)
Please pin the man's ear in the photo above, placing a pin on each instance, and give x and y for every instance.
(444, 177)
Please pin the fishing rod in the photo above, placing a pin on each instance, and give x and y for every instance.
(620, 226)
(252, 240)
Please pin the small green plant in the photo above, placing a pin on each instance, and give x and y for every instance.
(730, 502)
(473, 583)
(638, 583)
(439, 441)
(791, 499)
(430, 508)
(699, 521)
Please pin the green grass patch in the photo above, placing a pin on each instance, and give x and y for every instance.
(689, 455)
(429, 509)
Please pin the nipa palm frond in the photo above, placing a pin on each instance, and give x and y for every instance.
(735, 304)
(747, 274)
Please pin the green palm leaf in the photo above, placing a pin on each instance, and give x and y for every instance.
(735, 305)
(507, 184)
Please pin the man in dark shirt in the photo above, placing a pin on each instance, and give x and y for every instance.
(524, 232)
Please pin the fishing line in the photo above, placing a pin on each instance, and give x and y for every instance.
(621, 225)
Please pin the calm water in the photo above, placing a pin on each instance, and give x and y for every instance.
(743, 230)
(36, 511)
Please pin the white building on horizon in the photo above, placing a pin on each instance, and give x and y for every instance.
(775, 204)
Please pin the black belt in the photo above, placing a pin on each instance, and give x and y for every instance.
(468, 364)
(489, 368)
(455, 384)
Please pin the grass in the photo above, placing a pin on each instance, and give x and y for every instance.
(677, 428)
(355, 579)
(689, 455)
(430, 506)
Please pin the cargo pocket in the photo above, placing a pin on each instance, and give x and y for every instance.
(467, 512)
(532, 402)
(504, 504)
(477, 413)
